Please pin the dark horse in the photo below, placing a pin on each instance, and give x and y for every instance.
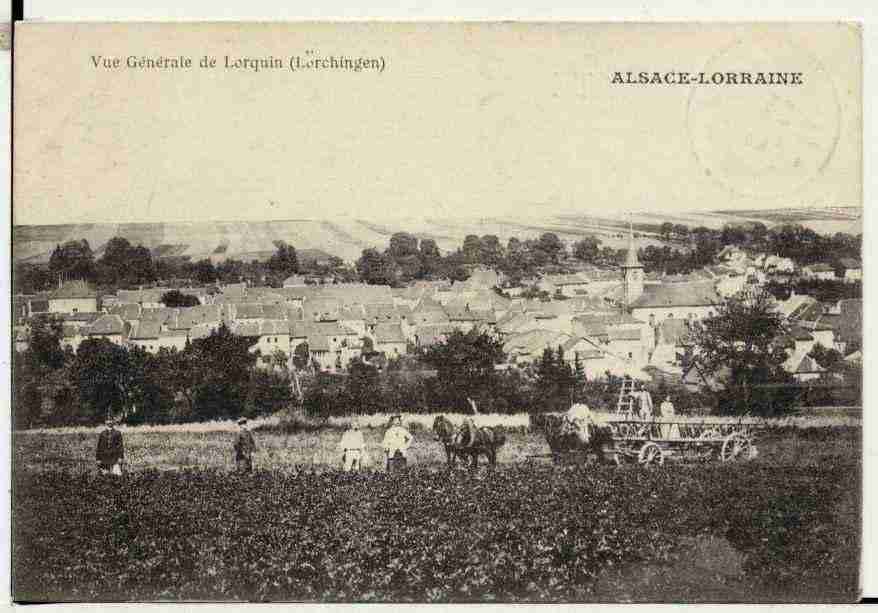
(461, 442)
(563, 436)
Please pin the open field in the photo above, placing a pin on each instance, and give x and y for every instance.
(182, 525)
(786, 442)
(758, 531)
(346, 237)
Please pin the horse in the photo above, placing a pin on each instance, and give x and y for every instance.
(462, 442)
(563, 435)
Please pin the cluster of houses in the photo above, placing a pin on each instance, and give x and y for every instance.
(758, 268)
(607, 321)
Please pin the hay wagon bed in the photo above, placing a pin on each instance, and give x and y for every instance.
(652, 442)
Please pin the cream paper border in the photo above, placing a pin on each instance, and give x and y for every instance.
(856, 10)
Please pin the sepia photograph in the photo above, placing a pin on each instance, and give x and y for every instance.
(437, 312)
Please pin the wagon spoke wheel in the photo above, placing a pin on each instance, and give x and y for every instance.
(650, 454)
(736, 448)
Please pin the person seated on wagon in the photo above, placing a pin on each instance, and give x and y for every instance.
(644, 400)
(580, 416)
(397, 439)
(671, 430)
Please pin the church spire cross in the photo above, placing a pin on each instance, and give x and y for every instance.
(631, 260)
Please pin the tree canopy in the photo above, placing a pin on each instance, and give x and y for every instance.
(742, 347)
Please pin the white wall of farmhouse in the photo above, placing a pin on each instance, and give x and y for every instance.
(73, 305)
(675, 312)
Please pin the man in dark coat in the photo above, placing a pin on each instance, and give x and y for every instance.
(111, 450)
(244, 447)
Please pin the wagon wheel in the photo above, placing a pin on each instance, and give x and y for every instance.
(709, 435)
(737, 448)
(650, 454)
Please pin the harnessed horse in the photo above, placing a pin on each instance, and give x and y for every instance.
(472, 442)
(563, 435)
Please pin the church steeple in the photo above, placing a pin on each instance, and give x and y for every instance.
(632, 270)
(631, 260)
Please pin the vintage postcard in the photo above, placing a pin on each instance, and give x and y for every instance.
(437, 312)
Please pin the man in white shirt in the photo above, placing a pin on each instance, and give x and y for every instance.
(645, 404)
(353, 446)
(396, 439)
(668, 414)
(580, 416)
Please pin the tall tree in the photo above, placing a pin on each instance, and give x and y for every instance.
(102, 374)
(284, 261)
(465, 364)
(587, 249)
(73, 260)
(741, 346)
(402, 244)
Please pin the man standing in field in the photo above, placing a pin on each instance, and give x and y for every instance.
(111, 450)
(397, 440)
(245, 445)
(353, 447)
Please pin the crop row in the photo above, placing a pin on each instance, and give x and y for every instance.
(525, 533)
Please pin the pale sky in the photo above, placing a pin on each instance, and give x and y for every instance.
(466, 120)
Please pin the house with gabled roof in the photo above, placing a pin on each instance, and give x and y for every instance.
(432, 333)
(676, 300)
(389, 339)
(846, 320)
(526, 347)
(803, 367)
(73, 297)
(353, 317)
(569, 285)
(109, 327)
(270, 336)
(821, 271)
(128, 312)
(853, 269)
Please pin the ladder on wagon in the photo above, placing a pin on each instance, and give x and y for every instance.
(625, 404)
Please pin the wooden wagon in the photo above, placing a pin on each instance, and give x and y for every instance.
(652, 442)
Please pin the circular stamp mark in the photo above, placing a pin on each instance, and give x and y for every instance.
(764, 140)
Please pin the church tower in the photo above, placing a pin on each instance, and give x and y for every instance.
(632, 271)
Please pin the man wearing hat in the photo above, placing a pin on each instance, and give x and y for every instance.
(397, 439)
(244, 447)
(111, 449)
(353, 447)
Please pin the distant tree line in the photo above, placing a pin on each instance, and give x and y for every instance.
(122, 265)
(701, 245)
(409, 258)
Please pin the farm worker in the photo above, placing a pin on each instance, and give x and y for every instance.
(645, 404)
(244, 447)
(111, 449)
(580, 416)
(353, 446)
(397, 438)
(668, 414)
(467, 435)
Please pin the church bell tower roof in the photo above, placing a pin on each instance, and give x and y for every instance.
(631, 260)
